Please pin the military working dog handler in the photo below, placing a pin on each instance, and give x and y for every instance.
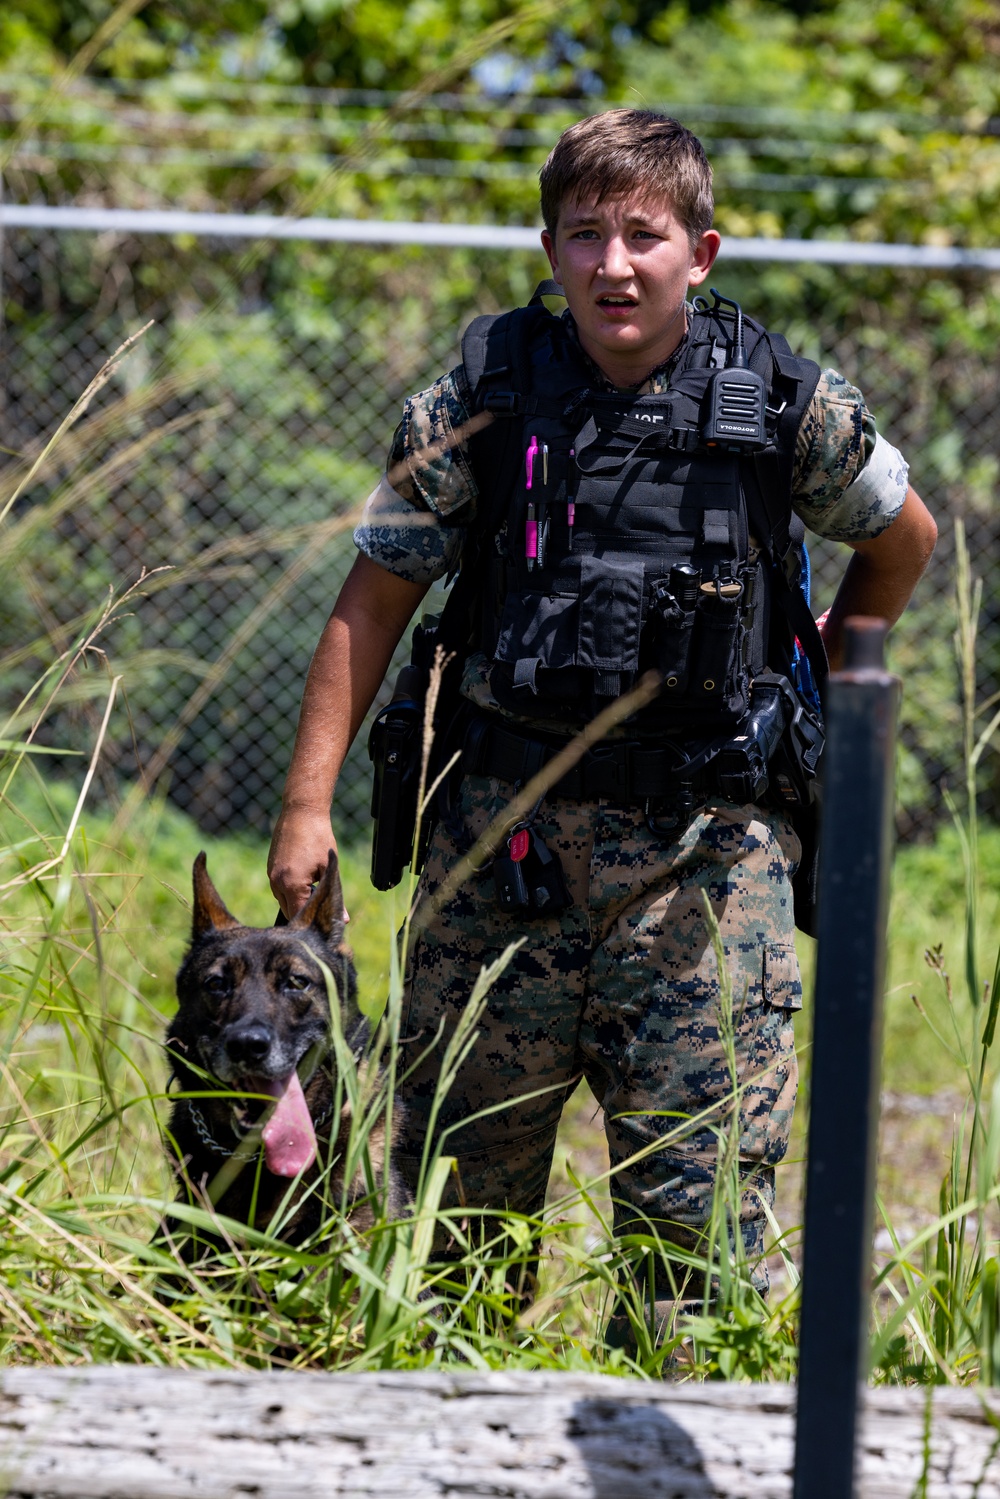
(622, 985)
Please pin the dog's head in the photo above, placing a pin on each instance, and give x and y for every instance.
(253, 1005)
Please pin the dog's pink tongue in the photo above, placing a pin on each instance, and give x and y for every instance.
(289, 1137)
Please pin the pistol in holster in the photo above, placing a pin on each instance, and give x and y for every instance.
(395, 746)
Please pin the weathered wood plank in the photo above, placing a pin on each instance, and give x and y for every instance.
(146, 1433)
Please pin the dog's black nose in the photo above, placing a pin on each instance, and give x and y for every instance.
(251, 1043)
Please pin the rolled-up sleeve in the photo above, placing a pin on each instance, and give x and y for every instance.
(848, 483)
(414, 523)
(412, 543)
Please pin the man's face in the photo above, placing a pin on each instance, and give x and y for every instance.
(626, 267)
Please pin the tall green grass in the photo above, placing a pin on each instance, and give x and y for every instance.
(93, 918)
(940, 1292)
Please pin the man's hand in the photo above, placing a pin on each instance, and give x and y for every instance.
(883, 573)
(300, 848)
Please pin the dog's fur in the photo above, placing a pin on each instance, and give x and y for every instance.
(253, 1006)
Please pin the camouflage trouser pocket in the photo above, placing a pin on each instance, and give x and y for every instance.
(781, 983)
(769, 1075)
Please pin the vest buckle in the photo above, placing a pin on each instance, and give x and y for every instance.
(502, 403)
(683, 439)
(791, 566)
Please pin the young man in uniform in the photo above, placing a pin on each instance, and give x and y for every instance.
(627, 534)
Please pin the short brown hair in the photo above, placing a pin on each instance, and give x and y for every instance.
(630, 153)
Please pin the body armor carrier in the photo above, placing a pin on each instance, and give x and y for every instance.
(620, 532)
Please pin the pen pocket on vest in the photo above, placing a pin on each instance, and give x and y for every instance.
(716, 630)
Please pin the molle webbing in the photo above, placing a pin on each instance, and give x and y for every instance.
(612, 538)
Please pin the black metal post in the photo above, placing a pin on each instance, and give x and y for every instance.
(855, 856)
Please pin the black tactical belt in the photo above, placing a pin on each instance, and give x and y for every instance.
(620, 770)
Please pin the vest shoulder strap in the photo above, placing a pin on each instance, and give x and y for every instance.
(496, 352)
(496, 357)
(769, 491)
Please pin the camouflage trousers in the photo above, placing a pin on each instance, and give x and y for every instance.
(623, 989)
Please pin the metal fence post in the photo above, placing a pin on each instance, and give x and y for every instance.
(855, 856)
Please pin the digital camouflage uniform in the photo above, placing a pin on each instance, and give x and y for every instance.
(623, 987)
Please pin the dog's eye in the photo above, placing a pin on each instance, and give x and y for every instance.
(217, 983)
(298, 981)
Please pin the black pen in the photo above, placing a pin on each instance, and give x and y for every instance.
(543, 507)
(570, 499)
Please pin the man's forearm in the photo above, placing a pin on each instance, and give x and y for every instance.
(347, 669)
(883, 573)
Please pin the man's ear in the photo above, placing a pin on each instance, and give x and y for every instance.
(549, 246)
(324, 909)
(209, 913)
(703, 256)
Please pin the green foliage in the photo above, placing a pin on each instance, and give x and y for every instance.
(747, 1344)
(893, 94)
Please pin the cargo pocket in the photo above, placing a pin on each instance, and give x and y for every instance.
(538, 630)
(610, 622)
(781, 983)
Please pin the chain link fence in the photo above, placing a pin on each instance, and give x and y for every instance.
(235, 444)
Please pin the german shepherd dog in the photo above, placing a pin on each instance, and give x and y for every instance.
(254, 1014)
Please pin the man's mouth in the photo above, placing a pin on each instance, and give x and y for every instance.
(614, 300)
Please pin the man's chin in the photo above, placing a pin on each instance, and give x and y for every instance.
(620, 344)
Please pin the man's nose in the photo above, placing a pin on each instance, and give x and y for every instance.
(616, 262)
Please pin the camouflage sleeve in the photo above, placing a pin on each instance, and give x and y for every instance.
(848, 483)
(413, 543)
(431, 446)
(414, 523)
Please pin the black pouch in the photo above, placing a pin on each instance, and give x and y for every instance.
(529, 878)
(713, 649)
(513, 896)
(546, 882)
(672, 634)
(537, 631)
(610, 622)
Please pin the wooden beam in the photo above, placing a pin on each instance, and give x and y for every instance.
(120, 1432)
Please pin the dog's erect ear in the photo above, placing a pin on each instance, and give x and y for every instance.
(209, 912)
(325, 907)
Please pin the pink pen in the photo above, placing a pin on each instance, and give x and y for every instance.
(529, 460)
(571, 502)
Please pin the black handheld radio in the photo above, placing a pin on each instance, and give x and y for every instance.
(736, 396)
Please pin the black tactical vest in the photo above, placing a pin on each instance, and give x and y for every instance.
(615, 536)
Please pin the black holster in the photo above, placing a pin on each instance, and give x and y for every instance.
(395, 750)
